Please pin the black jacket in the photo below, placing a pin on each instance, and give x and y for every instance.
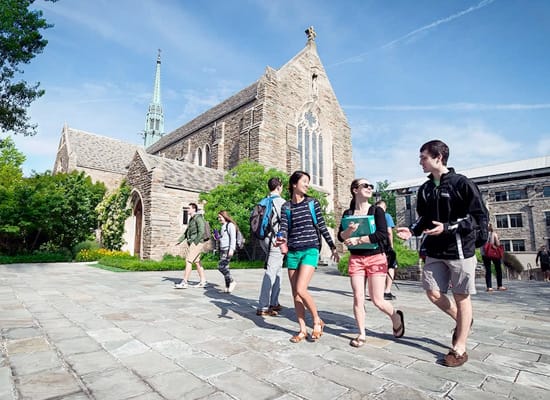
(457, 203)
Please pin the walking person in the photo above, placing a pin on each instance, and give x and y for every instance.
(194, 235)
(368, 266)
(268, 302)
(299, 233)
(494, 241)
(543, 256)
(390, 252)
(228, 244)
(450, 210)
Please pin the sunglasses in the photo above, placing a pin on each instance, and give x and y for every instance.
(366, 186)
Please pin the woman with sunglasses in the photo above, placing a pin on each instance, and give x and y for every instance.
(299, 231)
(368, 264)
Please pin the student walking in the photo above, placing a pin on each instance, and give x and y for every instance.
(493, 240)
(390, 252)
(450, 210)
(228, 244)
(299, 233)
(194, 235)
(543, 256)
(268, 302)
(368, 265)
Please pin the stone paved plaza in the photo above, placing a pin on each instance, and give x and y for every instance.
(73, 331)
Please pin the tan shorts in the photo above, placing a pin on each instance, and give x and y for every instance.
(439, 274)
(194, 253)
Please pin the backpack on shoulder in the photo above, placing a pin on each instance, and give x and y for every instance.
(207, 232)
(260, 218)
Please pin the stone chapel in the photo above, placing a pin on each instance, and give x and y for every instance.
(289, 119)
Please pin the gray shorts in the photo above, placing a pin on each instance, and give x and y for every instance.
(438, 274)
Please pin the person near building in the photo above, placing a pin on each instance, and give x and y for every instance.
(227, 244)
(390, 252)
(302, 235)
(493, 240)
(543, 257)
(194, 235)
(268, 302)
(450, 211)
(368, 266)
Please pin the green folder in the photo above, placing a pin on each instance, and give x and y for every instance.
(366, 227)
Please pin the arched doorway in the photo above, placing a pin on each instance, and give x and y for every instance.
(137, 212)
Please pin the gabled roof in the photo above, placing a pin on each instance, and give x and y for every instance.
(183, 174)
(236, 101)
(99, 152)
(489, 173)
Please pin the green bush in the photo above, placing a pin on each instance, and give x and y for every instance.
(36, 258)
(85, 245)
(96, 254)
(511, 262)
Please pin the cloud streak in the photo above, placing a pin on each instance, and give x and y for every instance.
(452, 107)
(360, 57)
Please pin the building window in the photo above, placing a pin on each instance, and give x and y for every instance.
(509, 221)
(310, 146)
(547, 218)
(506, 195)
(207, 157)
(185, 215)
(546, 191)
(198, 161)
(513, 245)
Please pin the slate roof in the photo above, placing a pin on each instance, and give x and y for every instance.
(183, 174)
(100, 152)
(489, 172)
(236, 101)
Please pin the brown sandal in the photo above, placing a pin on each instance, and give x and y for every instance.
(399, 332)
(299, 337)
(317, 333)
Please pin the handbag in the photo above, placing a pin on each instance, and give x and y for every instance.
(493, 252)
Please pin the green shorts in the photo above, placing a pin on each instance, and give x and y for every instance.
(302, 257)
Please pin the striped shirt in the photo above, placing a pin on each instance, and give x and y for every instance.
(302, 234)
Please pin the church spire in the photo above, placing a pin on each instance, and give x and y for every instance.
(154, 122)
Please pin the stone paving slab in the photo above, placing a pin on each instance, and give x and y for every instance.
(73, 331)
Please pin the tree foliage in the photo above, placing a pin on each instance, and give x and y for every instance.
(388, 197)
(112, 213)
(20, 42)
(244, 186)
(55, 209)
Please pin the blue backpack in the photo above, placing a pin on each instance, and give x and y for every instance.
(260, 218)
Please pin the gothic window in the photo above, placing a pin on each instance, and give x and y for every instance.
(198, 160)
(310, 146)
(207, 156)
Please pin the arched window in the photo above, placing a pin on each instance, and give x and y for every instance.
(198, 160)
(207, 156)
(310, 146)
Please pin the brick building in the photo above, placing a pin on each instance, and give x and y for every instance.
(288, 119)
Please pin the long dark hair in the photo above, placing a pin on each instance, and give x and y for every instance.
(294, 178)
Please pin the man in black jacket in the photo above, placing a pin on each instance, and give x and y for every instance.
(450, 210)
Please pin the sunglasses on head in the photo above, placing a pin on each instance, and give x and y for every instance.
(366, 186)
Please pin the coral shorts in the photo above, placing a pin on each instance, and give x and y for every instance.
(367, 265)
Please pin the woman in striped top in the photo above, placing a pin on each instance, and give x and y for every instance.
(299, 230)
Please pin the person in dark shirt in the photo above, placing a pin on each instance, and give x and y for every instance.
(543, 256)
(450, 210)
(368, 265)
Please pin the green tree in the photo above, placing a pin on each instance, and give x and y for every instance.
(244, 186)
(388, 197)
(11, 177)
(20, 42)
(112, 213)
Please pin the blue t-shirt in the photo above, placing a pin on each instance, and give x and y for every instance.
(389, 221)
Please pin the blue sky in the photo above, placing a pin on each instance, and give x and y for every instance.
(473, 73)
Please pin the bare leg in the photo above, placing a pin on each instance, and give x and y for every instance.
(463, 321)
(376, 293)
(442, 302)
(200, 270)
(389, 280)
(358, 283)
(188, 269)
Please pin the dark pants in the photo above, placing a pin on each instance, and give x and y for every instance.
(498, 269)
(223, 266)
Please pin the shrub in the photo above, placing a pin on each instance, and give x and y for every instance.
(511, 262)
(96, 254)
(87, 244)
